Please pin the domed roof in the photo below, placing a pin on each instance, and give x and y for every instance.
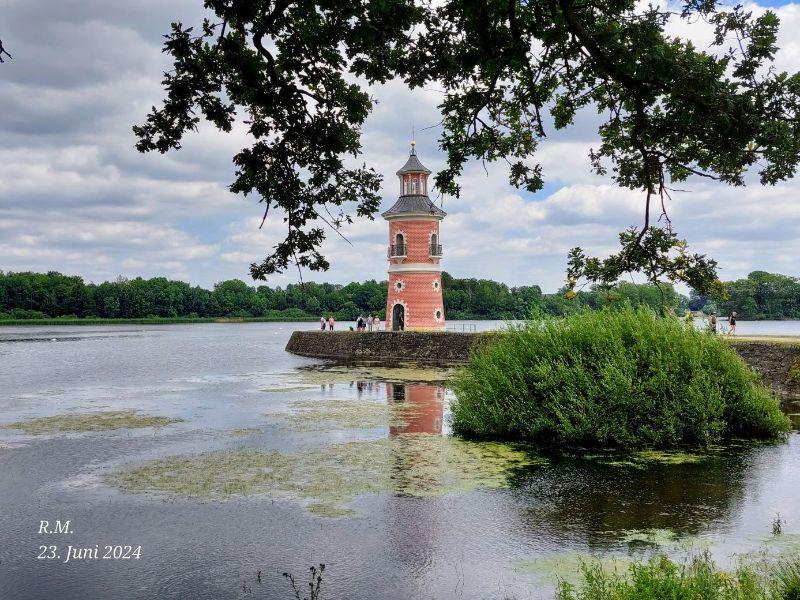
(413, 165)
(414, 204)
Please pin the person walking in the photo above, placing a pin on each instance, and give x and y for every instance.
(322, 323)
(376, 324)
(369, 322)
(732, 323)
(331, 322)
(712, 323)
(360, 323)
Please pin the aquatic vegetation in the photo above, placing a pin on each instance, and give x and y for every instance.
(781, 544)
(337, 373)
(777, 525)
(328, 478)
(243, 431)
(662, 539)
(327, 414)
(93, 421)
(287, 388)
(699, 578)
(612, 379)
(644, 458)
(568, 566)
(314, 584)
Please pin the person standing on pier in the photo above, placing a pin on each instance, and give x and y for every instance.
(331, 322)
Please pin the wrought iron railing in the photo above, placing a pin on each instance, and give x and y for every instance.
(397, 250)
(436, 250)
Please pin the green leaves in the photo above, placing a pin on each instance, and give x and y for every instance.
(295, 72)
(656, 252)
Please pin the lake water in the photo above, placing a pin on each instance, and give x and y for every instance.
(276, 463)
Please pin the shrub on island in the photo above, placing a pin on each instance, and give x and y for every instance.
(612, 379)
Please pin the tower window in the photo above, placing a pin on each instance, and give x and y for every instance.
(413, 186)
(405, 185)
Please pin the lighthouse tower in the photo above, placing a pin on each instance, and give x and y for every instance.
(414, 301)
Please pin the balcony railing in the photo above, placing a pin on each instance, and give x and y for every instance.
(436, 250)
(397, 250)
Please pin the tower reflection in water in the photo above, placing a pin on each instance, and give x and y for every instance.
(423, 407)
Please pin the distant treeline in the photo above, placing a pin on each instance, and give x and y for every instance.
(53, 295)
(759, 296)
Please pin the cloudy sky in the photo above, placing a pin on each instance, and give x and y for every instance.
(76, 197)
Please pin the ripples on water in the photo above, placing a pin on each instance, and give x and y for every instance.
(275, 463)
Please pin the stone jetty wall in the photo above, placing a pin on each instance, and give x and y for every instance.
(778, 363)
(429, 347)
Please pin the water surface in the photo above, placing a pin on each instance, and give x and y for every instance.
(362, 476)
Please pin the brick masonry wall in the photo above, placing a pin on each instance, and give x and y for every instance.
(774, 362)
(420, 293)
(417, 235)
(416, 291)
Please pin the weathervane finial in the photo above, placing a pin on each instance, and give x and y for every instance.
(413, 139)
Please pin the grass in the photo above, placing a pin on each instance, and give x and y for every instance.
(697, 579)
(94, 421)
(613, 379)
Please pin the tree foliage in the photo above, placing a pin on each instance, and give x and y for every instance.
(297, 73)
(763, 295)
(40, 295)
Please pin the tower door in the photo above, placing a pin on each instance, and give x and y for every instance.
(398, 317)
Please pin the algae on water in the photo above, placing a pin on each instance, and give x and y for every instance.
(94, 421)
(642, 459)
(660, 539)
(328, 478)
(243, 431)
(328, 414)
(328, 374)
(568, 566)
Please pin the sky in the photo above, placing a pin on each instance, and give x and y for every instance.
(76, 197)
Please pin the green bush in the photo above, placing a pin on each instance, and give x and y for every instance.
(614, 379)
(698, 579)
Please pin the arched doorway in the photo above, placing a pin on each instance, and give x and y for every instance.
(398, 317)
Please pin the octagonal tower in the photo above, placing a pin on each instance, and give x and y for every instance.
(414, 301)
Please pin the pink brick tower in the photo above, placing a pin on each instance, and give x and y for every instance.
(415, 275)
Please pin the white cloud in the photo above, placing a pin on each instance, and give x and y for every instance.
(75, 195)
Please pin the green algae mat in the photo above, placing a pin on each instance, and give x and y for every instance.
(93, 421)
(327, 479)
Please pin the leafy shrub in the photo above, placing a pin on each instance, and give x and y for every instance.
(612, 378)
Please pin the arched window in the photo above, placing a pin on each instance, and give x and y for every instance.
(405, 185)
(399, 245)
(414, 186)
(434, 249)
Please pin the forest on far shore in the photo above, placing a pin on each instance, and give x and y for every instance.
(28, 295)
